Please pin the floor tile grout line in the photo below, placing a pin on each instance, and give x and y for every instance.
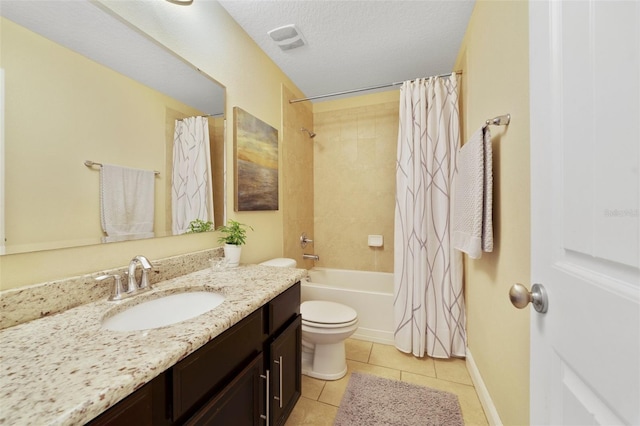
(439, 378)
(321, 402)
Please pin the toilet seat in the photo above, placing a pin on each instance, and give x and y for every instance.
(320, 325)
(324, 314)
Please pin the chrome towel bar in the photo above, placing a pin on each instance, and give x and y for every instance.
(90, 163)
(501, 120)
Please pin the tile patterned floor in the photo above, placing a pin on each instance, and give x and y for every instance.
(320, 399)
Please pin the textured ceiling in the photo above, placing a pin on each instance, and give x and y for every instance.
(353, 44)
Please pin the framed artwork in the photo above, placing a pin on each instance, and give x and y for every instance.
(255, 153)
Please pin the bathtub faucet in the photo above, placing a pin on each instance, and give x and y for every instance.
(315, 257)
(304, 240)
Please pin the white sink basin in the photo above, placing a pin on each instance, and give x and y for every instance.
(163, 311)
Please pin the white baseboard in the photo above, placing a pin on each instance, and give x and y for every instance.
(483, 394)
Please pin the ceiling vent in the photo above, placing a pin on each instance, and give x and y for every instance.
(287, 37)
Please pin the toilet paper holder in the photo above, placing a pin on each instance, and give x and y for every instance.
(375, 241)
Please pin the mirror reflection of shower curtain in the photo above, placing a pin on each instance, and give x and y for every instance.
(191, 188)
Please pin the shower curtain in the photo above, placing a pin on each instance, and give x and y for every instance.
(428, 294)
(191, 186)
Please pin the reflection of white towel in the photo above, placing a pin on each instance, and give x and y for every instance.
(473, 203)
(127, 203)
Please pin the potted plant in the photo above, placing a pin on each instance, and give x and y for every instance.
(199, 225)
(234, 235)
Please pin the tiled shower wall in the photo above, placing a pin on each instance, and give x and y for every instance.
(354, 180)
(297, 175)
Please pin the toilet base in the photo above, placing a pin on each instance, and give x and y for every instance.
(325, 362)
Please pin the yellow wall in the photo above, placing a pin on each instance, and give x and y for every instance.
(494, 58)
(90, 113)
(206, 36)
(354, 180)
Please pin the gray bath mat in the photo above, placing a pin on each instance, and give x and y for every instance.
(371, 400)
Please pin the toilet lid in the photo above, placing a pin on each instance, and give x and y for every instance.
(324, 312)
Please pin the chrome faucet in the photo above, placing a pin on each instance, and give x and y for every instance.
(132, 285)
(118, 292)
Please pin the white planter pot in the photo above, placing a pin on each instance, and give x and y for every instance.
(232, 254)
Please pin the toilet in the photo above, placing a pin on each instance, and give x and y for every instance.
(325, 327)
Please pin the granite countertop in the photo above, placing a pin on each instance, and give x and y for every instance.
(64, 369)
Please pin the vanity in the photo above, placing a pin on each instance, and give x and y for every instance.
(236, 364)
(249, 373)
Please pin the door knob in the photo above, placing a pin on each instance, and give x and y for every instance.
(521, 297)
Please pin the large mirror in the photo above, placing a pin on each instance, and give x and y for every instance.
(80, 84)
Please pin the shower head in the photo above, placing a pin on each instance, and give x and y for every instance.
(311, 134)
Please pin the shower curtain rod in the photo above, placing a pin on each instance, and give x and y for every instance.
(364, 89)
(219, 114)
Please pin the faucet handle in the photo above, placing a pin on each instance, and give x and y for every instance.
(304, 240)
(144, 280)
(118, 290)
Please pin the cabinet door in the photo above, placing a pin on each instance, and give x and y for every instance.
(146, 406)
(239, 404)
(285, 364)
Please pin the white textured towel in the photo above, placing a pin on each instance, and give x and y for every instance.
(473, 202)
(127, 203)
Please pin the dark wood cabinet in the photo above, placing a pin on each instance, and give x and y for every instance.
(283, 351)
(145, 407)
(204, 373)
(240, 403)
(248, 373)
(285, 366)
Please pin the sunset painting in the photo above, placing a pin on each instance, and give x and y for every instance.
(256, 169)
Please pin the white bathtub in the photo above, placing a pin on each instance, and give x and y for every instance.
(369, 293)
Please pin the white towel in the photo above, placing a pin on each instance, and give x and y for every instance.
(127, 203)
(473, 202)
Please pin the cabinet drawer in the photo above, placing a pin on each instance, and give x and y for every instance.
(283, 308)
(210, 368)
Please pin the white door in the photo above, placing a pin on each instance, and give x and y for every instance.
(585, 139)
